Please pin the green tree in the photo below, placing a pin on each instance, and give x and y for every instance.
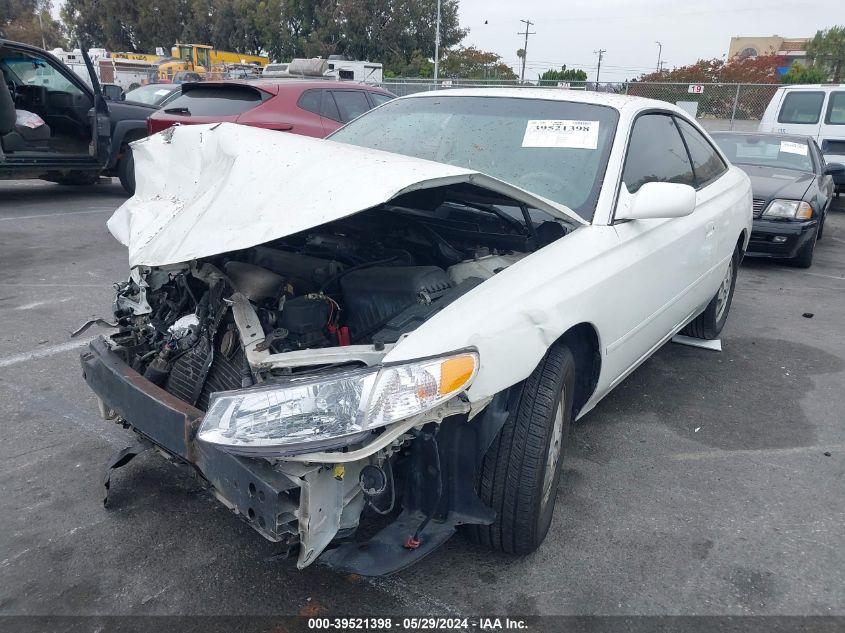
(827, 50)
(800, 74)
(470, 63)
(564, 74)
(31, 22)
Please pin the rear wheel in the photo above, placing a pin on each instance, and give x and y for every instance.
(520, 473)
(708, 325)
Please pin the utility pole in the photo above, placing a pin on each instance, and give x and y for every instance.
(437, 44)
(528, 24)
(41, 26)
(600, 53)
(659, 54)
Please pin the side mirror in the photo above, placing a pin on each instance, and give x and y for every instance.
(113, 92)
(657, 200)
(834, 169)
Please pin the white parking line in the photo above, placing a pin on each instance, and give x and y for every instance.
(44, 352)
(56, 215)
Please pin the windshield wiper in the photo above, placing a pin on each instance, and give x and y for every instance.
(184, 111)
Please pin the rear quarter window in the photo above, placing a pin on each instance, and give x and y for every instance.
(218, 100)
(801, 107)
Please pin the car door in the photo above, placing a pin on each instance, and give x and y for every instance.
(659, 288)
(99, 116)
(824, 182)
(832, 132)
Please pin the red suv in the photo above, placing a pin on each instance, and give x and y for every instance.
(311, 108)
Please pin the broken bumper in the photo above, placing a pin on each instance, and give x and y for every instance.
(778, 238)
(276, 501)
(299, 503)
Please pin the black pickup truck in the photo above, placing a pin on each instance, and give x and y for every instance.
(56, 127)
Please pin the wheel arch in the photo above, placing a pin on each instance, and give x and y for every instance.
(584, 342)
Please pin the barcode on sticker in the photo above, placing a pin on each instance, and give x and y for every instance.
(561, 133)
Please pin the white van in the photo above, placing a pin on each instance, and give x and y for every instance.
(817, 111)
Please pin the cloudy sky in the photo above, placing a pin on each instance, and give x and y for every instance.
(568, 32)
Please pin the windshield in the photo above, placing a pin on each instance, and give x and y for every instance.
(766, 151)
(151, 95)
(554, 149)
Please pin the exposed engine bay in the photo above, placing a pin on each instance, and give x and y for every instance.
(367, 279)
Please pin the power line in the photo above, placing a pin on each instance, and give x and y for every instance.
(528, 24)
(600, 53)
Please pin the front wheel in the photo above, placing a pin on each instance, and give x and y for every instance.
(520, 473)
(708, 325)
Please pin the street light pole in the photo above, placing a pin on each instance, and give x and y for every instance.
(659, 54)
(437, 43)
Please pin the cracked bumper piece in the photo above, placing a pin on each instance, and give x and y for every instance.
(313, 499)
(289, 503)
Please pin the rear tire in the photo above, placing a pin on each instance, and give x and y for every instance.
(126, 171)
(708, 325)
(520, 473)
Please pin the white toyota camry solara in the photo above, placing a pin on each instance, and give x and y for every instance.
(404, 319)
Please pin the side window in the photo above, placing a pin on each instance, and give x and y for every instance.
(350, 103)
(37, 72)
(379, 98)
(706, 162)
(310, 101)
(656, 153)
(836, 109)
(329, 108)
(801, 107)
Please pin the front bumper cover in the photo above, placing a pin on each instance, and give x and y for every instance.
(304, 503)
(763, 232)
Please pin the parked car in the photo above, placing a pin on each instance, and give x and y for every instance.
(56, 127)
(154, 94)
(406, 318)
(312, 108)
(815, 111)
(792, 188)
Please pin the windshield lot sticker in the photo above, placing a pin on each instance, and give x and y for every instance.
(561, 133)
(793, 148)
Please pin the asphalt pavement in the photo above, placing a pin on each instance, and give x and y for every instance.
(707, 483)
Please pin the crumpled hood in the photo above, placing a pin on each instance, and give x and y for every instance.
(203, 190)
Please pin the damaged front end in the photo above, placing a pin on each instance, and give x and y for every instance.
(264, 368)
(267, 367)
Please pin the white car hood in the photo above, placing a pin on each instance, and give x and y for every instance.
(203, 190)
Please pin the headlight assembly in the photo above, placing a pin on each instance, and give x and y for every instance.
(316, 413)
(788, 210)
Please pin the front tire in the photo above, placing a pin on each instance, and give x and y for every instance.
(708, 325)
(520, 473)
(126, 171)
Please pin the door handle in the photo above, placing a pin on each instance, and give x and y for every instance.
(711, 228)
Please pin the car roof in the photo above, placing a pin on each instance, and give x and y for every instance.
(275, 85)
(616, 101)
(795, 138)
(823, 87)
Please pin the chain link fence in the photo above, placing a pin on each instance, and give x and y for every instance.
(719, 106)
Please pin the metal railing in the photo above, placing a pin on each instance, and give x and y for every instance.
(717, 106)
